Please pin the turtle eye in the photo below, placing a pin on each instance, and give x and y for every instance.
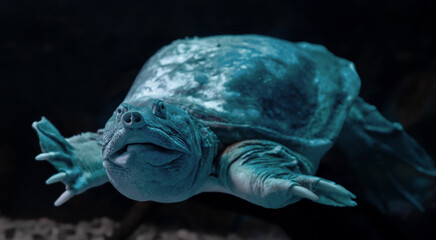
(159, 109)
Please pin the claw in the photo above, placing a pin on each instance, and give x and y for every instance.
(51, 156)
(58, 177)
(304, 192)
(44, 156)
(35, 125)
(332, 187)
(65, 196)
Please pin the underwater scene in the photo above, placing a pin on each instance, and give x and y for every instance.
(218, 119)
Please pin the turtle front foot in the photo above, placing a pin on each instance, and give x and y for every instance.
(77, 159)
(321, 191)
(280, 190)
(270, 175)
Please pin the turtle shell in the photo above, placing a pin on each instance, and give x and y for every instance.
(254, 87)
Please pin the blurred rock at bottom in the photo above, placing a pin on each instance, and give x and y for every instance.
(103, 228)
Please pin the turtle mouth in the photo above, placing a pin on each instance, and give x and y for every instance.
(128, 147)
(150, 153)
(150, 144)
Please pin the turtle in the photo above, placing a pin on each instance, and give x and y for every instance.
(246, 115)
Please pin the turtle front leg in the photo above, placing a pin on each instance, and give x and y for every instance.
(270, 175)
(78, 159)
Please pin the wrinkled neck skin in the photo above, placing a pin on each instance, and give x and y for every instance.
(209, 151)
(161, 159)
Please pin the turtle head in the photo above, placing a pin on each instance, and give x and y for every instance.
(152, 151)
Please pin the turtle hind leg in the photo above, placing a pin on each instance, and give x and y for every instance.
(393, 168)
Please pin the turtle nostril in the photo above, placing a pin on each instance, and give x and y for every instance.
(136, 117)
(132, 119)
(127, 118)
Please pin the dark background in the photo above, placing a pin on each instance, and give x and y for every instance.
(73, 62)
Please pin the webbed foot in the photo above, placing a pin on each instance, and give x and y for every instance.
(279, 190)
(322, 191)
(77, 159)
(271, 175)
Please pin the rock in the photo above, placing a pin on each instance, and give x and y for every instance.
(102, 229)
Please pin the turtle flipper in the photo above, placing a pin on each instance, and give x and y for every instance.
(77, 159)
(270, 175)
(393, 168)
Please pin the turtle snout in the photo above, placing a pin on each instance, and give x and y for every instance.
(133, 120)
